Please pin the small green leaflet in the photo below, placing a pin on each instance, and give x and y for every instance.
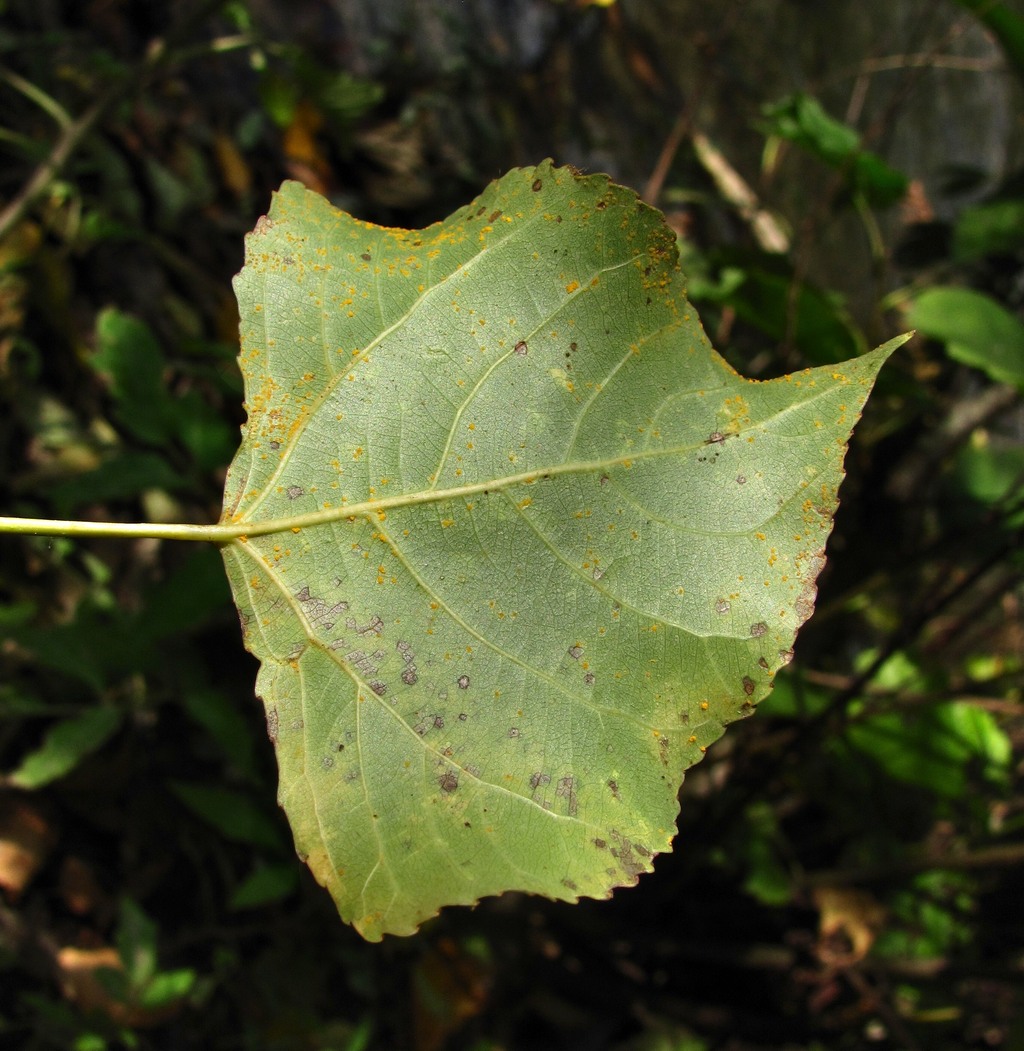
(521, 542)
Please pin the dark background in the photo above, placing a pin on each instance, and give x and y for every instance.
(848, 867)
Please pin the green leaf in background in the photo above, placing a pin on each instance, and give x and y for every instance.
(64, 746)
(992, 474)
(266, 884)
(817, 322)
(976, 330)
(992, 228)
(130, 358)
(802, 120)
(234, 814)
(519, 542)
(141, 983)
(936, 748)
(118, 477)
(1006, 25)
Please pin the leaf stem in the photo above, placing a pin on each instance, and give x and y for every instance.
(211, 534)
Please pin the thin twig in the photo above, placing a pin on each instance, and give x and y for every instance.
(157, 54)
(1005, 855)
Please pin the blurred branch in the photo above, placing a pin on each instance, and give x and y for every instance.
(158, 53)
(1004, 856)
(734, 189)
(967, 415)
(669, 149)
(47, 103)
(54, 163)
(929, 60)
(879, 699)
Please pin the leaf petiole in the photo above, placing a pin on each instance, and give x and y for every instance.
(212, 534)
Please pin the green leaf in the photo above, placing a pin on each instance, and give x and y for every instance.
(976, 330)
(991, 475)
(64, 746)
(266, 884)
(136, 943)
(129, 357)
(802, 120)
(781, 307)
(992, 228)
(222, 719)
(936, 748)
(234, 814)
(125, 474)
(1005, 25)
(518, 542)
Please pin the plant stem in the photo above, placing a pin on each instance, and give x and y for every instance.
(75, 132)
(211, 534)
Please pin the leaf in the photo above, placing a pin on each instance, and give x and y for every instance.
(1005, 25)
(266, 884)
(976, 330)
(783, 307)
(936, 748)
(991, 228)
(801, 119)
(65, 745)
(232, 813)
(518, 542)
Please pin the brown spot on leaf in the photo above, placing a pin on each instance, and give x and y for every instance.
(448, 782)
(521, 348)
(623, 853)
(567, 790)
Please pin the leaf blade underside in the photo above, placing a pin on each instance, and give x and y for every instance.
(528, 542)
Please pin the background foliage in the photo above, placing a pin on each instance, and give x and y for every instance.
(848, 870)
